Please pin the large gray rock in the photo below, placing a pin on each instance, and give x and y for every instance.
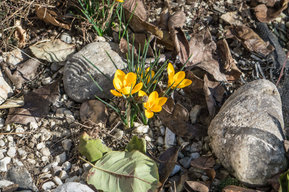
(248, 132)
(5, 89)
(77, 81)
(73, 187)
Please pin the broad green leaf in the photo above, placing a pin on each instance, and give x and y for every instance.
(124, 172)
(283, 180)
(137, 144)
(92, 149)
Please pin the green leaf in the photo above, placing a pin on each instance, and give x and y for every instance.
(92, 149)
(137, 144)
(124, 171)
(283, 180)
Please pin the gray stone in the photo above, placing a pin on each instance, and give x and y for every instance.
(186, 161)
(73, 187)
(67, 144)
(248, 132)
(2, 121)
(77, 80)
(48, 185)
(65, 37)
(11, 152)
(5, 183)
(66, 165)
(22, 177)
(5, 89)
(61, 158)
(3, 164)
(57, 180)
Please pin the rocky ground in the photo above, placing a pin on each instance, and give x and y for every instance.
(46, 102)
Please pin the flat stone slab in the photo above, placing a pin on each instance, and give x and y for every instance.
(78, 71)
(248, 132)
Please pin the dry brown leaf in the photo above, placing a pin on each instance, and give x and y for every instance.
(269, 3)
(52, 51)
(199, 186)
(205, 163)
(176, 118)
(266, 14)
(229, 64)
(49, 16)
(167, 160)
(124, 48)
(164, 18)
(177, 20)
(137, 7)
(93, 111)
(232, 18)
(181, 43)
(233, 188)
(140, 39)
(36, 105)
(209, 98)
(251, 40)
(20, 34)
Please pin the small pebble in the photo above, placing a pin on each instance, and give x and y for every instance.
(45, 176)
(170, 138)
(8, 128)
(141, 128)
(17, 162)
(1, 155)
(20, 130)
(160, 141)
(57, 180)
(67, 144)
(40, 146)
(2, 143)
(46, 80)
(49, 166)
(3, 164)
(61, 158)
(162, 130)
(22, 152)
(48, 186)
(56, 169)
(65, 37)
(33, 125)
(147, 138)
(194, 155)
(66, 165)
(118, 134)
(11, 152)
(176, 169)
(45, 151)
(86, 166)
(31, 161)
(185, 162)
(10, 138)
(44, 158)
(63, 175)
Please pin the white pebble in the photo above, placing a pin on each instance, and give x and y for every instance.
(2, 143)
(44, 158)
(194, 155)
(8, 128)
(160, 141)
(3, 164)
(57, 180)
(17, 162)
(61, 158)
(31, 161)
(48, 185)
(147, 138)
(66, 165)
(118, 134)
(56, 169)
(45, 176)
(33, 125)
(67, 144)
(162, 130)
(20, 130)
(141, 129)
(10, 138)
(11, 152)
(1, 155)
(170, 138)
(63, 175)
(46, 80)
(49, 166)
(45, 151)
(22, 152)
(40, 146)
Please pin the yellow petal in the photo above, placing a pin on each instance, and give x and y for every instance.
(162, 101)
(137, 88)
(115, 93)
(185, 83)
(149, 114)
(142, 93)
(129, 80)
(126, 90)
(156, 108)
(117, 83)
(119, 74)
(179, 76)
(171, 73)
(153, 97)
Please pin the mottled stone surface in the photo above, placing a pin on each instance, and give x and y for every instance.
(5, 89)
(78, 71)
(248, 132)
(73, 187)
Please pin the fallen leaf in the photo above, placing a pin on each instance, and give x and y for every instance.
(209, 98)
(205, 163)
(92, 149)
(181, 45)
(12, 103)
(24, 72)
(233, 188)
(136, 144)
(232, 18)
(164, 18)
(266, 14)
(229, 64)
(168, 161)
(93, 111)
(50, 16)
(177, 20)
(177, 120)
(199, 186)
(274, 182)
(52, 51)
(36, 105)
(251, 40)
(20, 34)
(123, 46)
(140, 40)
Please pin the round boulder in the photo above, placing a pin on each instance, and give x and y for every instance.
(248, 132)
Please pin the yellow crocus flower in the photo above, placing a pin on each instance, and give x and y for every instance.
(125, 84)
(121, 1)
(154, 103)
(177, 80)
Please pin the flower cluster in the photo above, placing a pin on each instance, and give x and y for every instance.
(125, 85)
